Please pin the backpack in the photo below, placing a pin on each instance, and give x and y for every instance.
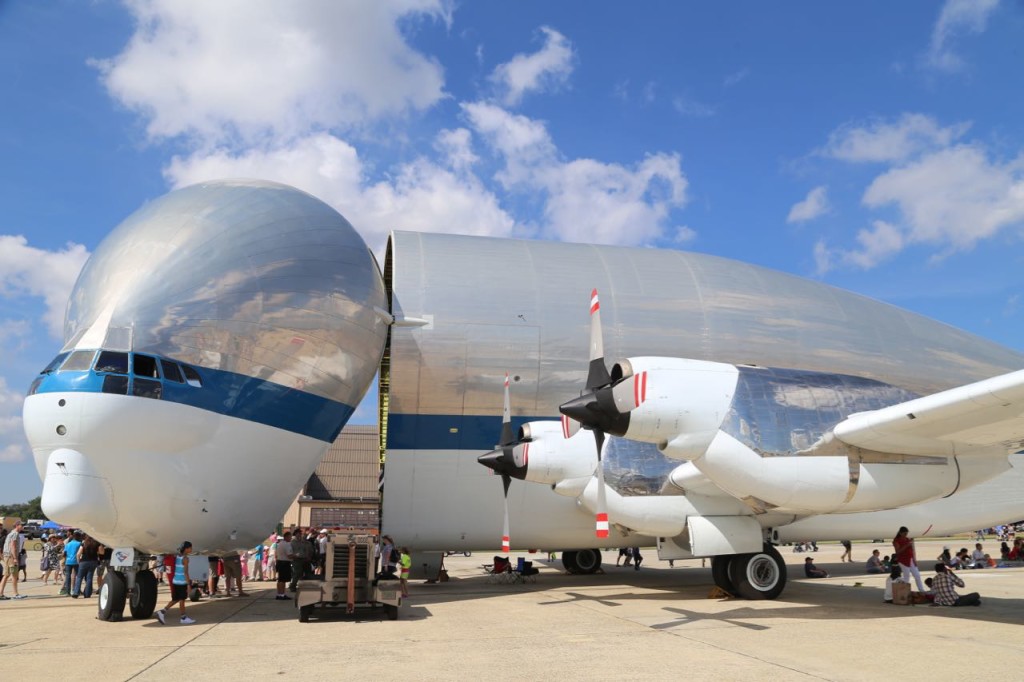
(395, 556)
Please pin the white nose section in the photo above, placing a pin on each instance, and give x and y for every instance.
(76, 495)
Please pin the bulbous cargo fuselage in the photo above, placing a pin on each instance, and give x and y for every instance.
(215, 344)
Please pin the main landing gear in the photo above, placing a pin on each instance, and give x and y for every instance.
(129, 581)
(757, 575)
(583, 561)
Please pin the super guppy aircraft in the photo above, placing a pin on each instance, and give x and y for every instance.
(218, 340)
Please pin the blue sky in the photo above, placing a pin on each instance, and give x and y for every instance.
(875, 146)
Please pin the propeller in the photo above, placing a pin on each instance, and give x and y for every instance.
(592, 411)
(507, 461)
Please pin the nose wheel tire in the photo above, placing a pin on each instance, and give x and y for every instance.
(143, 599)
(112, 597)
(761, 575)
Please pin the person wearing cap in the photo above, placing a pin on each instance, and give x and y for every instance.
(179, 585)
(11, 551)
(52, 550)
(283, 564)
(945, 557)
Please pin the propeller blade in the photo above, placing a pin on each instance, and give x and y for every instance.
(506, 419)
(597, 374)
(505, 543)
(601, 515)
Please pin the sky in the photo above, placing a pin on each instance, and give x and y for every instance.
(874, 146)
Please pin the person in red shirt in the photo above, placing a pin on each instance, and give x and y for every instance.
(904, 555)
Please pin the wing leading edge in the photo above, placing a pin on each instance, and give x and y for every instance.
(983, 418)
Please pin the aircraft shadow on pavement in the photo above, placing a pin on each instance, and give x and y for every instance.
(834, 598)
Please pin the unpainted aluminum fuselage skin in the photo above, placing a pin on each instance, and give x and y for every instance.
(809, 355)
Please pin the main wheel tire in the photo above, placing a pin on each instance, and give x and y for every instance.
(588, 561)
(720, 572)
(142, 600)
(392, 611)
(761, 575)
(569, 562)
(112, 597)
(305, 612)
(195, 595)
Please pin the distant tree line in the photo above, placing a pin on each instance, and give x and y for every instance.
(33, 509)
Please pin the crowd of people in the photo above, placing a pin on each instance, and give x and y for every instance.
(77, 562)
(72, 558)
(297, 554)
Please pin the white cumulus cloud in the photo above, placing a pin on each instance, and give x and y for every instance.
(244, 69)
(946, 193)
(12, 438)
(958, 17)
(880, 141)
(586, 200)
(813, 205)
(29, 271)
(419, 195)
(953, 197)
(547, 69)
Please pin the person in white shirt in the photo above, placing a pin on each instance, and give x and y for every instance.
(895, 576)
(283, 554)
(322, 546)
(978, 557)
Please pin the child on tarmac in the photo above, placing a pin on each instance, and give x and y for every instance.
(179, 585)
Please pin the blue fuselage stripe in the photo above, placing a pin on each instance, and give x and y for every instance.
(233, 395)
(449, 431)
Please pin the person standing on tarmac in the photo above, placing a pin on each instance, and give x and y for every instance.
(283, 564)
(406, 563)
(302, 554)
(11, 549)
(906, 558)
(180, 581)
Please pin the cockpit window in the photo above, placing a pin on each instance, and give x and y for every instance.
(147, 388)
(55, 363)
(144, 366)
(115, 384)
(79, 361)
(112, 361)
(171, 371)
(191, 376)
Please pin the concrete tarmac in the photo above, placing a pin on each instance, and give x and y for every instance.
(653, 624)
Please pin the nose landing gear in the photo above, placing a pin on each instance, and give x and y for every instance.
(129, 581)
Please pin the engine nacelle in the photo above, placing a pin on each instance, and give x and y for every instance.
(550, 458)
(678, 404)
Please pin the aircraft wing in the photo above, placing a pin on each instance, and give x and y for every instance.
(986, 417)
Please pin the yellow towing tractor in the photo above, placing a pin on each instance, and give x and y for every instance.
(349, 580)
